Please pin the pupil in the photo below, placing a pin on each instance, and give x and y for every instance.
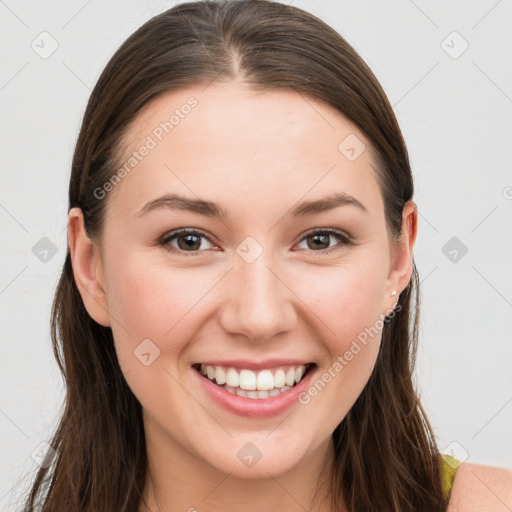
(192, 242)
(319, 239)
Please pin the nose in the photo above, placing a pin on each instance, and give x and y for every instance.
(258, 303)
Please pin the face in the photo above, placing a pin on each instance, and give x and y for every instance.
(284, 265)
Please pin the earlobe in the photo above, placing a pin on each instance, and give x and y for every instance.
(87, 268)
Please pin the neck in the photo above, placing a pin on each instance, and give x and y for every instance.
(178, 480)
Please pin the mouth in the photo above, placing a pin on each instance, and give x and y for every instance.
(255, 384)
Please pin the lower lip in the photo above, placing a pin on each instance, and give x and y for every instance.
(255, 407)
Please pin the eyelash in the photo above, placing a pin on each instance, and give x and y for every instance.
(346, 241)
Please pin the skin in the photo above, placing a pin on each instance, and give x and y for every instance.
(480, 487)
(257, 155)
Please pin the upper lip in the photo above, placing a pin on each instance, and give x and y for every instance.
(256, 365)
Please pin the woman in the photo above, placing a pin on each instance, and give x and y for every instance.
(236, 319)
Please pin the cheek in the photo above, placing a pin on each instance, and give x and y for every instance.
(347, 299)
(347, 302)
(159, 304)
(154, 302)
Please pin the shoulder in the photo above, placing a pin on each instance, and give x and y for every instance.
(478, 487)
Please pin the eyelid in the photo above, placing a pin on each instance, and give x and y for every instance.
(167, 237)
(344, 238)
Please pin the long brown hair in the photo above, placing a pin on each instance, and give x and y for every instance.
(386, 456)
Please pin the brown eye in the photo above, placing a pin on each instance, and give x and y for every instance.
(189, 242)
(186, 240)
(320, 240)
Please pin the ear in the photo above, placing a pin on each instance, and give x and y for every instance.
(400, 271)
(87, 268)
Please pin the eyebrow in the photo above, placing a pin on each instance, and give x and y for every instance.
(211, 209)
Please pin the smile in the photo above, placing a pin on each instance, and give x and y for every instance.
(259, 384)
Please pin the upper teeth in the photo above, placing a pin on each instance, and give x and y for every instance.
(264, 380)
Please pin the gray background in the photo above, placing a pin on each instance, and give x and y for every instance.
(454, 105)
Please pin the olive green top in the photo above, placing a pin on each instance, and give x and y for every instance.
(448, 470)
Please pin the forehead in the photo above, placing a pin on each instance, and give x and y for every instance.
(227, 141)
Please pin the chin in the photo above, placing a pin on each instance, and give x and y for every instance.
(256, 456)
